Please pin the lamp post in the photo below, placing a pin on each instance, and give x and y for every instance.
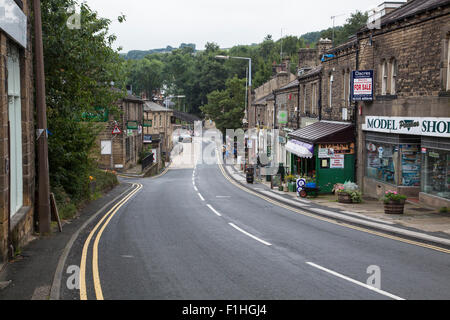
(249, 97)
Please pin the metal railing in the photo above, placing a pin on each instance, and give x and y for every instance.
(147, 161)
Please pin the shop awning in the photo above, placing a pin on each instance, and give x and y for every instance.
(301, 150)
(325, 132)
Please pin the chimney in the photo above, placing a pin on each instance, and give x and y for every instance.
(323, 46)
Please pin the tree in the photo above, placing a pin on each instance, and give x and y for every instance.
(226, 107)
(80, 68)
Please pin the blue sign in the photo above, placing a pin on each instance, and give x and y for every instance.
(362, 85)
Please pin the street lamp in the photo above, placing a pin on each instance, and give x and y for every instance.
(249, 78)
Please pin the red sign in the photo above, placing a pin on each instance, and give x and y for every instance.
(117, 130)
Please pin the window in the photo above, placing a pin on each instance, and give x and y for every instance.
(382, 162)
(448, 64)
(384, 77)
(128, 149)
(393, 76)
(436, 173)
(330, 90)
(314, 99)
(304, 98)
(15, 123)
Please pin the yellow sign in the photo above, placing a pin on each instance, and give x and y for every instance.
(341, 148)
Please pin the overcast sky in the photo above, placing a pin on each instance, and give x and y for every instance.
(155, 24)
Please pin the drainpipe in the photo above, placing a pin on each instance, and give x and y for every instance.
(355, 118)
(320, 96)
(298, 107)
(43, 167)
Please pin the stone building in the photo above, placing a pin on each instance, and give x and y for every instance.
(17, 130)
(404, 133)
(120, 142)
(158, 131)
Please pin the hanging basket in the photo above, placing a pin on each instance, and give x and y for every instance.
(394, 207)
(344, 197)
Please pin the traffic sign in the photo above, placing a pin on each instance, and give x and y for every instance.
(117, 130)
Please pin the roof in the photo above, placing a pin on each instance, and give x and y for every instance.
(263, 100)
(310, 73)
(410, 8)
(325, 132)
(290, 85)
(151, 106)
(128, 97)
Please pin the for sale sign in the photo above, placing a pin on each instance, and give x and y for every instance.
(362, 85)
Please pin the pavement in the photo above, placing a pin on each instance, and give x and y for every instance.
(418, 221)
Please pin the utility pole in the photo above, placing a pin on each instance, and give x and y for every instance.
(334, 22)
(42, 141)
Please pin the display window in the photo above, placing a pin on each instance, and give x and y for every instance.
(382, 160)
(411, 165)
(436, 173)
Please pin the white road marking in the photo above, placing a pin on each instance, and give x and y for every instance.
(387, 294)
(214, 210)
(203, 199)
(250, 235)
(195, 188)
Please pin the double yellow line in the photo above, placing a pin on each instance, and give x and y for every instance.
(380, 234)
(95, 273)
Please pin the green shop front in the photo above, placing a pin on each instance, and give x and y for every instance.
(324, 153)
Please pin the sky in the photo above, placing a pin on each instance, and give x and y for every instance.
(152, 24)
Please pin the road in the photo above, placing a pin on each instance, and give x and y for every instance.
(191, 234)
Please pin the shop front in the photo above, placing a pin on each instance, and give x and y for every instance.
(324, 153)
(410, 156)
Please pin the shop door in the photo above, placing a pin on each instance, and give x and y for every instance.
(15, 129)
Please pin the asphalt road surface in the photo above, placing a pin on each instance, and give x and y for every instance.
(191, 234)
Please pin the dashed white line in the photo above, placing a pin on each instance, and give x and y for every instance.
(387, 294)
(195, 188)
(203, 199)
(214, 210)
(250, 235)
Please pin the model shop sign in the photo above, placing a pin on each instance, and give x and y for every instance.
(362, 85)
(434, 127)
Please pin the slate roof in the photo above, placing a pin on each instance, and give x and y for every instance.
(151, 106)
(325, 132)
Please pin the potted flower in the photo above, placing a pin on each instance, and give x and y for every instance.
(348, 193)
(394, 203)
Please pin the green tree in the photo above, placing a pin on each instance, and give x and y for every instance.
(80, 69)
(226, 107)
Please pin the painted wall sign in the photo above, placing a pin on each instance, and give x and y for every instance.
(362, 85)
(434, 127)
(282, 117)
(13, 21)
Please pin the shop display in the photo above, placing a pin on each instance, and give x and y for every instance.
(411, 165)
(437, 173)
(381, 162)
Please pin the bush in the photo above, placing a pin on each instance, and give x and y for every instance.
(393, 196)
(350, 188)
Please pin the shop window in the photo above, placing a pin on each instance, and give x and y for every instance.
(411, 165)
(382, 162)
(436, 173)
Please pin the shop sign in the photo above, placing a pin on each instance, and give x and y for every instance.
(132, 125)
(13, 21)
(148, 138)
(337, 162)
(129, 133)
(328, 150)
(282, 117)
(434, 127)
(362, 85)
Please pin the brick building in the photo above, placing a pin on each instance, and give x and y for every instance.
(404, 133)
(17, 131)
(158, 130)
(121, 151)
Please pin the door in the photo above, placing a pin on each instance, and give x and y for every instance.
(15, 129)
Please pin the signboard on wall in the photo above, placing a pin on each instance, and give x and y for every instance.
(433, 127)
(106, 147)
(13, 21)
(362, 85)
(337, 162)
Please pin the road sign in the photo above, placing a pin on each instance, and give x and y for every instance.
(117, 130)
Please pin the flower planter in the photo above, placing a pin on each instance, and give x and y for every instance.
(394, 207)
(344, 197)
